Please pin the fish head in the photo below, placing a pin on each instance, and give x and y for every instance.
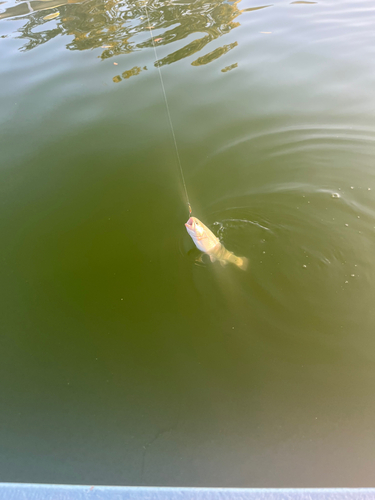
(203, 238)
(194, 227)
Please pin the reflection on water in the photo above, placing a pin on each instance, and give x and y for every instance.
(127, 74)
(215, 54)
(228, 68)
(120, 27)
(24, 8)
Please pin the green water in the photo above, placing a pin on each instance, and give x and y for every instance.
(124, 361)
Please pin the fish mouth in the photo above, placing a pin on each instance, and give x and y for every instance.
(189, 223)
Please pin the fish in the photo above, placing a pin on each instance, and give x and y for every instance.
(205, 240)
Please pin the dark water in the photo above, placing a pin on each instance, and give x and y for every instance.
(122, 361)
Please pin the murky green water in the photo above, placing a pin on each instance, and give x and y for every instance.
(122, 361)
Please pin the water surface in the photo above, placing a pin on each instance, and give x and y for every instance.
(123, 360)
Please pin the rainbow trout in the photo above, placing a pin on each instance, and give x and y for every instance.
(207, 242)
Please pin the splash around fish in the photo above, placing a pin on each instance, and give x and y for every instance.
(205, 240)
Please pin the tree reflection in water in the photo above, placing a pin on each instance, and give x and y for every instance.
(120, 27)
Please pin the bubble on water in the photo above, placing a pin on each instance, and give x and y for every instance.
(346, 282)
(368, 189)
(352, 275)
(351, 187)
(347, 225)
(304, 265)
(335, 195)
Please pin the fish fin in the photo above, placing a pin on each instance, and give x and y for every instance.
(212, 258)
(242, 263)
(223, 262)
(199, 258)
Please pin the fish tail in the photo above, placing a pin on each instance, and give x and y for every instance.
(242, 263)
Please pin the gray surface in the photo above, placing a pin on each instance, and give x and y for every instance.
(39, 491)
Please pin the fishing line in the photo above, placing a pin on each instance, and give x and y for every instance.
(168, 113)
